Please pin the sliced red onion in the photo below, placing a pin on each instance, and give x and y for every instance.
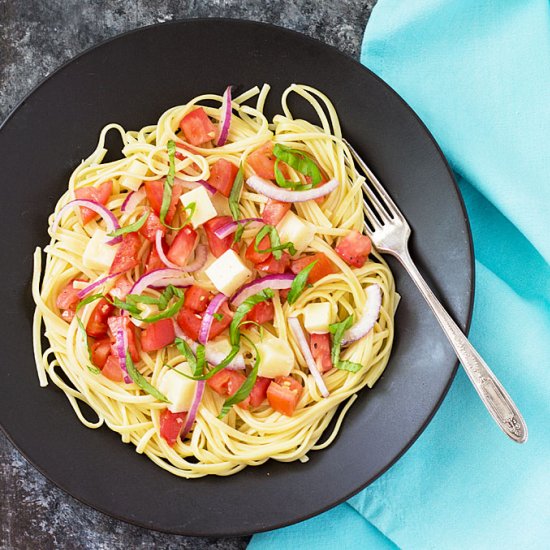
(225, 119)
(89, 288)
(105, 213)
(160, 251)
(192, 185)
(201, 255)
(265, 187)
(192, 414)
(208, 317)
(275, 282)
(214, 357)
(230, 227)
(121, 342)
(369, 316)
(210, 188)
(306, 352)
(161, 278)
(132, 200)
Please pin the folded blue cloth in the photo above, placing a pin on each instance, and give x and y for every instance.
(477, 72)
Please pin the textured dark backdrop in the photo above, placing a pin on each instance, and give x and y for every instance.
(36, 37)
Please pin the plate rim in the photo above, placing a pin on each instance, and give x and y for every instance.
(455, 189)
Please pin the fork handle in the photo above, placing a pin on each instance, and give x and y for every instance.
(494, 396)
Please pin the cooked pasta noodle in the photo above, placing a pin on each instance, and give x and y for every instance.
(244, 437)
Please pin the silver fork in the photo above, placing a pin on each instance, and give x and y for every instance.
(390, 235)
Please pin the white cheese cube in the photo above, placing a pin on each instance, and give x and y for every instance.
(317, 317)
(98, 254)
(204, 209)
(137, 170)
(228, 272)
(276, 357)
(178, 389)
(292, 229)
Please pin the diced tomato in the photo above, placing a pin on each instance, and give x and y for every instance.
(182, 246)
(111, 369)
(261, 313)
(354, 249)
(219, 326)
(218, 246)
(99, 194)
(121, 289)
(171, 425)
(126, 256)
(320, 349)
(155, 190)
(227, 382)
(122, 322)
(197, 127)
(153, 260)
(151, 226)
(262, 161)
(321, 269)
(190, 323)
(157, 335)
(258, 257)
(100, 351)
(67, 300)
(274, 211)
(283, 394)
(197, 298)
(97, 324)
(259, 391)
(222, 176)
(275, 266)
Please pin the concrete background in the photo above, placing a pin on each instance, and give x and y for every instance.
(36, 37)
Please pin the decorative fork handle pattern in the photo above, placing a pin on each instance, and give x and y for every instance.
(494, 396)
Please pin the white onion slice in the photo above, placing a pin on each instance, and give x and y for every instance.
(116, 325)
(265, 187)
(213, 357)
(274, 282)
(306, 352)
(110, 219)
(89, 288)
(132, 200)
(192, 414)
(369, 316)
(161, 278)
(230, 227)
(208, 317)
(225, 119)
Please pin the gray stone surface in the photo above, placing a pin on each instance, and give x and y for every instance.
(36, 37)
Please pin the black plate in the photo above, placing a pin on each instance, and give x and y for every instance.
(132, 80)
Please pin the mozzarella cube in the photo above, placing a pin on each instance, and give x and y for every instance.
(179, 390)
(276, 357)
(228, 273)
(204, 209)
(292, 229)
(98, 254)
(136, 171)
(317, 317)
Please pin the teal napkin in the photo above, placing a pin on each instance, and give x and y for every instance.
(477, 72)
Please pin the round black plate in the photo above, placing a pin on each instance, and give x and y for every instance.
(132, 80)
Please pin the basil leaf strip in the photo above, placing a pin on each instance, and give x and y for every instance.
(337, 330)
(218, 316)
(239, 233)
(132, 228)
(244, 391)
(139, 299)
(92, 368)
(299, 283)
(195, 364)
(192, 206)
(88, 300)
(230, 356)
(168, 186)
(276, 247)
(140, 380)
(131, 308)
(301, 162)
(167, 313)
(349, 366)
(242, 310)
(235, 194)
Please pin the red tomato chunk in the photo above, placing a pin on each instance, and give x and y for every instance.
(283, 394)
(320, 349)
(197, 127)
(99, 194)
(171, 425)
(321, 269)
(157, 335)
(354, 249)
(222, 176)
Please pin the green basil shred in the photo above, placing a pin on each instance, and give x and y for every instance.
(91, 367)
(299, 283)
(168, 185)
(141, 381)
(337, 330)
(235, 194)
(132, 228)
(301, 162)
(276, 247)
